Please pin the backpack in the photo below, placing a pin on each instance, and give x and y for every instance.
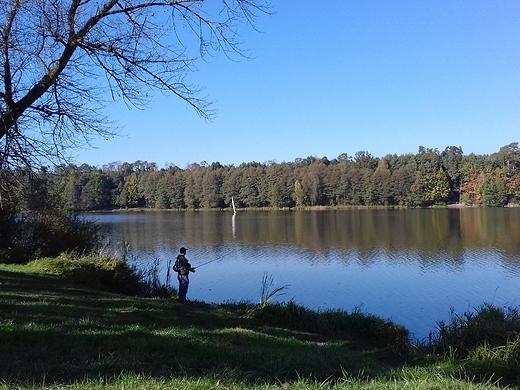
(177, 267)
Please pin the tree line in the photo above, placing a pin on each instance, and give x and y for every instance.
(429, 177)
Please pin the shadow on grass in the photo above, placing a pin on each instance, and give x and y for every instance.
(54, 332)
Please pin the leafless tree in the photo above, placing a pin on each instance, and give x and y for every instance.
(61, 57)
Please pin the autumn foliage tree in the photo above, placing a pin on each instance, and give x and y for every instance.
(421, 180)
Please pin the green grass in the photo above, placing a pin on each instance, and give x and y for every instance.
(59, 335)
(487, 339)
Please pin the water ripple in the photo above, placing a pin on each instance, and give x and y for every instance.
(412, 272)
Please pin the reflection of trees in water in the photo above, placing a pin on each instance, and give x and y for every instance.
(492, 227)
(431, 236)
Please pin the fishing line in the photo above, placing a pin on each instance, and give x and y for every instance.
(211, 261)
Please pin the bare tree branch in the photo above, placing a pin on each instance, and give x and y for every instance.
(60, 57)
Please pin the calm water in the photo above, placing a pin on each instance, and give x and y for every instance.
(410, 266)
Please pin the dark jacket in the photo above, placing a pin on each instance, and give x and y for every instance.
(182, 265)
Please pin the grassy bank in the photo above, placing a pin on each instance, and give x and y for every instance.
(55, 334)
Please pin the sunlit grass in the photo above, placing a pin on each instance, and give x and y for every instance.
(56, 335)
(409, 379)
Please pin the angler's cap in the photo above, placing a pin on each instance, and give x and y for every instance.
(183, 250)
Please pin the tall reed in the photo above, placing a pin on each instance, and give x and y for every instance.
(267, 292)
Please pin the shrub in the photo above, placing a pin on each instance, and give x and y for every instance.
(367, 327)
(486, 340)
(47, 235)
(105, 273)
(8, 254)
(351, 326)
(487, 325)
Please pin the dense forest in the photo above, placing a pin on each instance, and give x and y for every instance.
(429, 177)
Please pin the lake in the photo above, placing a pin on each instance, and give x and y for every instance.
(411, 265)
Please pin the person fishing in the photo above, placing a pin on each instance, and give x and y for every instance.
(183, 268)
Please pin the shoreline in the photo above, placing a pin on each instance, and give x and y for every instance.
(306, 208)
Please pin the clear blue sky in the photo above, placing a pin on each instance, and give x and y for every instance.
(339, 77)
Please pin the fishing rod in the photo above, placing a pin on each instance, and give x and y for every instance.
(211, 261)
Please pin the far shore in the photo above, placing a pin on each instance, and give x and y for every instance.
(310, 208)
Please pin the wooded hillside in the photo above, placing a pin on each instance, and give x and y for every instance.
(429, 177)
